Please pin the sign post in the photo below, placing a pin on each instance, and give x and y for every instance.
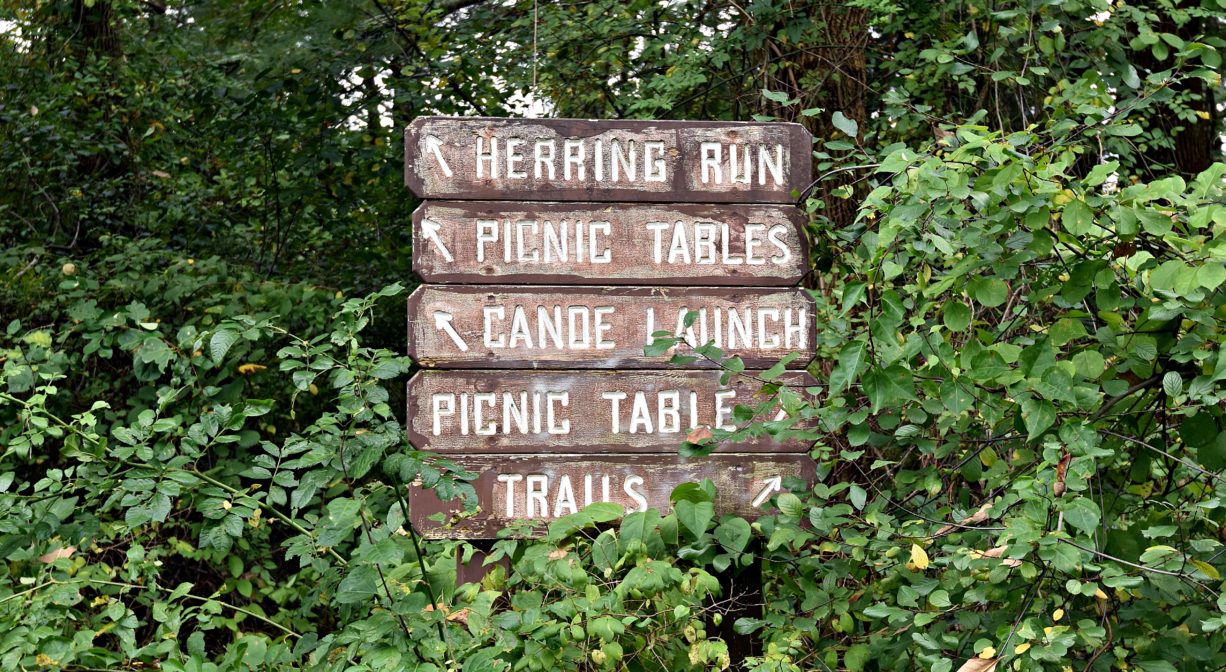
(553, 250)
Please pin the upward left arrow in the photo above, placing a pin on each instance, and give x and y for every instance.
(435, 146)
(430, 229)
(442, 322)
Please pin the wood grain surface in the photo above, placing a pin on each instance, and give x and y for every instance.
(611, 243)
(561, 327)
(538, 412)
(539, 489)
(476, 158)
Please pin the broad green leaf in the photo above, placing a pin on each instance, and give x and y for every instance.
(220, 343)
(1037, 415)
(358, 586)
(889, 387)
(847, 126)
(956, 316)
(1089, 363)
(599, 512)
(695, 516)
(850, 360)
(790, 505)
(856, 658)
(1077, 218)
(989, 292)
(1172, 383)
(1082, 514)
(734, 534)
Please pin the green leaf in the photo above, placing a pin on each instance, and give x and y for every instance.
(1077, 218)
(358, 586)
(1065, 330)
(695, 516)
(637, 526)
(606, 628)
(1172, 383)
(847, 126)
(850, 359)
(734, 534)
(592, 514)
(889, 387)
(858, 496)
(1089, 363)
(220, 343)
(1211, 275)
(856, 658)
(989, 292)
(1083, 514)
(1102, 171)
(790, 505)
(939, 599)
(776, 96)
(604, 550)
(956, 316)
(1037, 415)
(658, 346)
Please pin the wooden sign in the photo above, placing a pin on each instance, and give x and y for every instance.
(553, 327)
(476, 158)
(612, 243)
(588, 411)
(541, 489)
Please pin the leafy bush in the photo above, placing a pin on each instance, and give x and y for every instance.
(1017, 235)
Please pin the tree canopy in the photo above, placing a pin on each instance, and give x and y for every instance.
(1018, 235)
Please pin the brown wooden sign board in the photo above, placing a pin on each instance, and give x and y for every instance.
(541, 489)
(476, 158)
(543, 412)
(611, 243)
(559, 327)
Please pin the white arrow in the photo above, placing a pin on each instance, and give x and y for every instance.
(442, 322)
(433, 144)
(773, 484)
(430, 229)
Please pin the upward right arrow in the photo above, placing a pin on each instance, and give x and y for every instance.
(773, 484)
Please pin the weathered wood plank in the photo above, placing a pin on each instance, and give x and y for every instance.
(539, 489)
(558, 327)
(613, 243)
(475, 158)
(589, 411)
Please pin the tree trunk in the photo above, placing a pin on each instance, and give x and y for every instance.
(827, 71)
(95, 27)
(1195, 143)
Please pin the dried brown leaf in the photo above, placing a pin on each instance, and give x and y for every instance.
(58, 553)
(995, 552)
(700, 435)
(978, 516)
(1061, 472)
(979, 665)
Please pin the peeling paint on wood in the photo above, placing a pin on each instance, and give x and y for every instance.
(611, 243)
(560, 327)
(540, 489)
(476, 158)
(592, 411)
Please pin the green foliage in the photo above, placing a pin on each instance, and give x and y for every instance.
(1022, 458)
(1019, 432)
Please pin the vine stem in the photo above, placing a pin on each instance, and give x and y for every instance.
(119, 584)
(193, 472)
